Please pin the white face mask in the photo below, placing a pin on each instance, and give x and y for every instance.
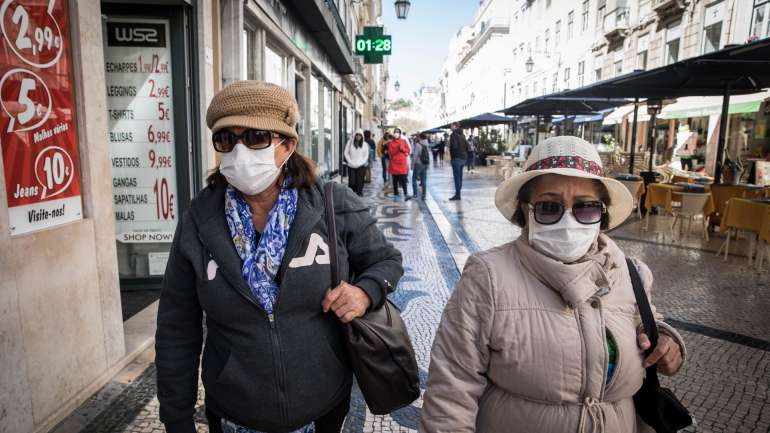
(250, 171)
(397, 135)
(566, 241)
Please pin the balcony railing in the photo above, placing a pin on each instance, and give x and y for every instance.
(668, 7)
(617, 23)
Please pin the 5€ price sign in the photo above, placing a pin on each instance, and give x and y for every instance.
(38, 126)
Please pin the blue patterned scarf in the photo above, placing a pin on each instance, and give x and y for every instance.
(261, 258)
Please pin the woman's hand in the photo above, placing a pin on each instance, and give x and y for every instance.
(347, 301)
(667, 354)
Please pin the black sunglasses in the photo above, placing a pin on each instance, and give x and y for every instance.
(550, 212)
(225, 140)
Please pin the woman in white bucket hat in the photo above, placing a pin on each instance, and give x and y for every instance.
(542, 334)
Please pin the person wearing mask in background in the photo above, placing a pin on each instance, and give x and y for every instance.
(687, 150)
(369, 139)
(473, 144)
(700, 148)
(420, 163)
(458, 153)
(442, 149)
(247, 256)
(542, 334)
(399, 150)
(357, 158)
(382, 153)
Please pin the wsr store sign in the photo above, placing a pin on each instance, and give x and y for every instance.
(38, 126)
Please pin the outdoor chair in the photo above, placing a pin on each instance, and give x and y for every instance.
(763, 249)
(722, 194)
(635, 187)
(691, 207)
(742, 215)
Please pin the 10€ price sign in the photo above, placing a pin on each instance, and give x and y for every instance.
(38, 126)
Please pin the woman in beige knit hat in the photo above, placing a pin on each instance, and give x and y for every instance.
(252, 253)
(543, 334)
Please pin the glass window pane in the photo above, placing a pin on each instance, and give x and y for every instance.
(712, 36)
(274, 67)
(672, 52)
(315, 115)
(328, 152)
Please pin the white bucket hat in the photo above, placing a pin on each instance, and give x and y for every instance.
(567, 156)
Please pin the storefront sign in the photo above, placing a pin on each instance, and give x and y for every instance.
(141, 129)
(38, 131)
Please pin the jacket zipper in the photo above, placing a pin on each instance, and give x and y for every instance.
(271, 318)
(584, 375)
(282, 398)
(606, 353)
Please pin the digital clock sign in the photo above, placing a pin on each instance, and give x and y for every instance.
(373, 45)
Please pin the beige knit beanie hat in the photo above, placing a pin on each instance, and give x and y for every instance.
(254, 104)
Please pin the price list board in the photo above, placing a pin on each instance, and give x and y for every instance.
(141, 129)
(38, 127)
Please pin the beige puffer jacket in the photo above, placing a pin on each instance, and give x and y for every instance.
(522, 346)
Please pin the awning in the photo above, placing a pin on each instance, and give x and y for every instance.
(589, 118)
(480, 120)
(556, 104)
(745, 67)
(712, 105)
(621, 113)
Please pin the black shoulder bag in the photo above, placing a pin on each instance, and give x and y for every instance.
(378, 343)
(657, 406)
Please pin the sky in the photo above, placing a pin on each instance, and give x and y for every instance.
(421, 42)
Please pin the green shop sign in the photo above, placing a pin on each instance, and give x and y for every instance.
(373, 45)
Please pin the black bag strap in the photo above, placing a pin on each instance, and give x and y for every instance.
(648, 320)
(331, 229)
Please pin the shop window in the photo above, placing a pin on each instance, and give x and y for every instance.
(315, 117)
(329, 153)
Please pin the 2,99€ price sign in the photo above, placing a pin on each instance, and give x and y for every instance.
(38, 126)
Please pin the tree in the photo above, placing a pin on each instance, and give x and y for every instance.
(409, 125)
(400, 103)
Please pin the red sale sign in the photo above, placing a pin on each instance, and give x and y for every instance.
(38, 132)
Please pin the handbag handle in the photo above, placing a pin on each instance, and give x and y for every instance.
(331, 229)
(648, 320)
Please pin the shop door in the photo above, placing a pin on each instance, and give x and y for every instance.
(149, 111)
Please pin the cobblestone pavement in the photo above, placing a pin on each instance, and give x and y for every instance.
(720, 307)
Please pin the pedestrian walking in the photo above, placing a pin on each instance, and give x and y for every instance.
(382, 153)
(458, 152)
(357, 158)
(442, 150)
(399, 150)
(251, 255)
(542, 334)
(473, 143)
(420, 163)
(369, 139)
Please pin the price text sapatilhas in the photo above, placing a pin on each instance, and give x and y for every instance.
(45, 214)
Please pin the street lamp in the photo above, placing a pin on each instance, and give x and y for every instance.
(397, 86)
(653, 108)
(402, 8)
(530, 64)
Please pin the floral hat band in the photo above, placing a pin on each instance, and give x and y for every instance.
(571, 161)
